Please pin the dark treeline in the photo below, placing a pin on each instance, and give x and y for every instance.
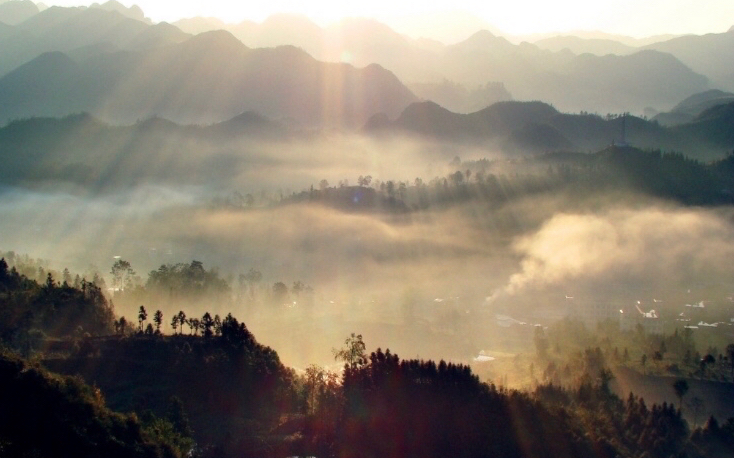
(31, 310)
(391, 407)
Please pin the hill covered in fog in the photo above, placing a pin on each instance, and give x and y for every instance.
(82, 150)
(537, 127)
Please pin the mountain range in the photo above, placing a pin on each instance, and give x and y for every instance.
(206, 78)
(691, 107)
(111, 61)
(88, 152)
(528, 72)
(536, 127)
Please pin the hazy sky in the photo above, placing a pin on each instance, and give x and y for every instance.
(637, 18)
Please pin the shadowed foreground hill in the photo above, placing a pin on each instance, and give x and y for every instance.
(232, 388)
(45, 415)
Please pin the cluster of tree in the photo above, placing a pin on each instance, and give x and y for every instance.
(386, 406)
(186, 280)
(190, 285)
(675, 353)
(38, 269)
(187, 284)
(665, 175)
(31, 310)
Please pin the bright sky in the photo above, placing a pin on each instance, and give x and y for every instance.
(637, 18)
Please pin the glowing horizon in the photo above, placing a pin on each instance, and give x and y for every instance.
(634, 18)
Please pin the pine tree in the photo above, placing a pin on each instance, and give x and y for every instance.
(158, 320)
(142, 316)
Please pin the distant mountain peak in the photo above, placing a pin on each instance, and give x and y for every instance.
(483, 34)
(424, 107)
(484, 39)
(219, 40)
(134, 12)
(17, 11)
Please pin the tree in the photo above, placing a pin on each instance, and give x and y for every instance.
(181, 319)
(253, 277)
(174, 323)
(207, 323)
(123, 325)
(364, 181)
(217, 325)
(66, 277)
(142, 316)
(390, 189)
(194, 325)
(149, 329)
(353, 353)
(605, 377)
(643, 361)
(297, 288)
(681, 388)
(158, 320)
(122, 273)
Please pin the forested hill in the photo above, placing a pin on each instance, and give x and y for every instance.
(47, 415)
(536, 127)
(222, 393)
(616, 169)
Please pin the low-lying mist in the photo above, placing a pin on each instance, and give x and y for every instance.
(425, 279)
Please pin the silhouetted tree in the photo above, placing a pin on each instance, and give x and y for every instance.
(207, 323)
(174, 323)
(217, 325)
(122, 273)
(158, 320)
(194, 324)
(353, 353)
(142, 316)
(181, 319)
